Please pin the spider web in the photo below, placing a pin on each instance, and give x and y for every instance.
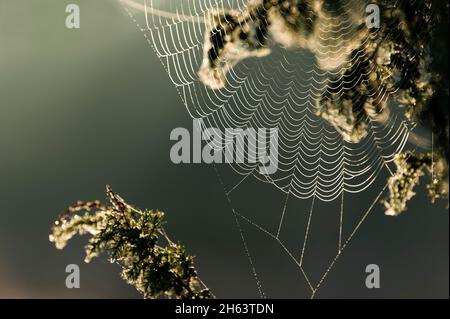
(277, 91)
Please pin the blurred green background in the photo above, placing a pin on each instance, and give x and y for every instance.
(83, 108)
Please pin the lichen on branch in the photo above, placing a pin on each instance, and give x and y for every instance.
(136, 240)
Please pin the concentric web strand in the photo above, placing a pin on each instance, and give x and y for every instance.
(279, 90)
(326, 149)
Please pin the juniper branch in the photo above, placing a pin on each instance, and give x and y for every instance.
(136, 240)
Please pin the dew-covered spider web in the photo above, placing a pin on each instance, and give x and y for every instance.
(322, 157)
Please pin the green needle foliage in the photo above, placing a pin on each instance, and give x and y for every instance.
(137, 241)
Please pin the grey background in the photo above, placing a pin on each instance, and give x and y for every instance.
(82, 108)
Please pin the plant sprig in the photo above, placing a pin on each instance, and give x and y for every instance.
(136, 240)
